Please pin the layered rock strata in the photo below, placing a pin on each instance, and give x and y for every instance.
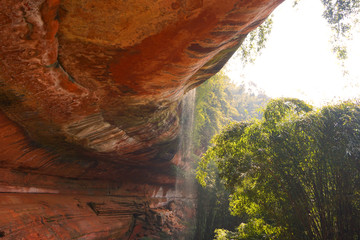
(89, 119)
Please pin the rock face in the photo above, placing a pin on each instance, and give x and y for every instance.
(89, 120)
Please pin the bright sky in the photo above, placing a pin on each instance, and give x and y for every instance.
(298, 61)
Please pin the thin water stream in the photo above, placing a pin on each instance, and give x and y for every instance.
(185, 190)
(185, 176)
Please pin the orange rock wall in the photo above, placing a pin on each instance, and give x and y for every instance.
(89, 98)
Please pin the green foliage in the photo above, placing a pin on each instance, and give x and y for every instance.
(255, 42)
(247, 104)
(255, 229)
(218, 102)
(295, 174)
(213, 109)
(342, 16)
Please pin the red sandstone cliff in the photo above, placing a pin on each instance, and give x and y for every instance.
(89, 119)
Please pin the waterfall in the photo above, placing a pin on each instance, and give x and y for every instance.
(185, 190)
(185, 175)
(187, 125)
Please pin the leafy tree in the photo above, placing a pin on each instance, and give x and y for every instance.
(255, 42)
(341, 15)
(295, 174)
(212, 109)
(218, 102)
(247, 103)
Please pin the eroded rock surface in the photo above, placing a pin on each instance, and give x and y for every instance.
(90, 94)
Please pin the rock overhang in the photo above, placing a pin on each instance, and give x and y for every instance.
(90, 94)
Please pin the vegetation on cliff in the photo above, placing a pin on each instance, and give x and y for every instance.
(294, 174)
